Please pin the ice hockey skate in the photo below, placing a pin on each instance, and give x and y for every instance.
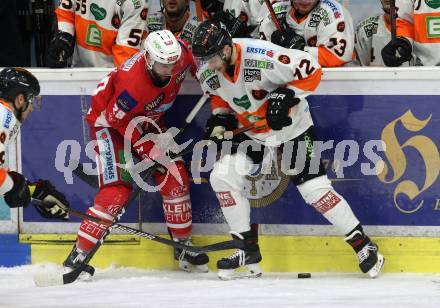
(74, 260)
(370, 260)
(190, 261)
(242, 263)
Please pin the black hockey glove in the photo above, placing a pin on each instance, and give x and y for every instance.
(53, 203)
(217, 125)
(19, 195)
(211, 6)
(235, 26)
(60, 50)
(397, 52)
(288, 39)
(279, 103)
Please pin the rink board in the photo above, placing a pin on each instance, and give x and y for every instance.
(400, 107)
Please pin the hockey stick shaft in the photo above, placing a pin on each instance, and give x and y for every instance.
(196, 249)
(274, 16)
(393, 16)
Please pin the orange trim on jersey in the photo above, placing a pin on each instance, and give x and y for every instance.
(404, 28)
(122, 53)
(237, 65)
(420, 23)
(259, 114)
(298, 21)
(218, 102)
(308, 84)
(6, 104)
(84, 28)
(326, 58)
(65, 16)
(3, 175)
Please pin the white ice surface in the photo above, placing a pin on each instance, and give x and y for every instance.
(128, 287)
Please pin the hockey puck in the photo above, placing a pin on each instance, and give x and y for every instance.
(304, 275)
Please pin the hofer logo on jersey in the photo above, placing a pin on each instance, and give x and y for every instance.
(155, 102)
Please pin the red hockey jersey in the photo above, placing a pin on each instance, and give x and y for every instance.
(128, 92)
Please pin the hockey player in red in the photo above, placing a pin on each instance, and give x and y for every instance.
(145, 85)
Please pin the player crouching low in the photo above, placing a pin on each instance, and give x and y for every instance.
(249, 81)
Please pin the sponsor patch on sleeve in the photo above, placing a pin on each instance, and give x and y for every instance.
(125, 102)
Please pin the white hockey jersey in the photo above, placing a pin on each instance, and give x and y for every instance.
(262, 67)
(254, 11)
(419, 21)
(327, 29)
(9, 127)
(372, 34)
(156, 21)
(107, 32)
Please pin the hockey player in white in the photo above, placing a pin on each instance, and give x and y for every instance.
(18, 88)
(323, 28)
(243, 17)
(418, 33)
(178, 16)
(256, 81)
(372, 34)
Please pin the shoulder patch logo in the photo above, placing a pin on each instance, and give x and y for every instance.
(433, 4)
(284, 59)
(98, 12)
(116, 21)
(125, 102)
(155, 102)
(213, 82)
(242, 102)
(341, 26)
(93, 36)
(144, 13)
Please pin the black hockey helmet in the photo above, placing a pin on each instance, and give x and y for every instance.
(209, 38)
(14, 81)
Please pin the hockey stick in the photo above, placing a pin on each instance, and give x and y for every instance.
(231, 244)
(274, 16)
(92, 179)
(393, 15)
(197, 249)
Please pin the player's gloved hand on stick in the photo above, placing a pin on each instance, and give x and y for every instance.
(217, 125)
(288, 38)
(53, 203)
(235, 25)
(397, 52)
(279, 103)
(60, 50)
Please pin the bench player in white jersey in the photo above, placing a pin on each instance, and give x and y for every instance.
(323, 28)
(98, 33)
(372, 34)
(178, 16)
(243, 17)
(418, 33)
(255, 81)
(18, 88)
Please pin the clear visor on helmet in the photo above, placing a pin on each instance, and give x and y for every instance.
(212, 60)
(34, 100)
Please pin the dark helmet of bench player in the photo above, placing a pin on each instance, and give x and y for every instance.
(16, 81)
(209, 40)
